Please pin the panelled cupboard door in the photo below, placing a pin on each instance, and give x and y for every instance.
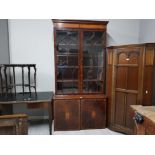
(93, 114)
(66, 115)
(123, 115)
(131, 70)
(127, 76)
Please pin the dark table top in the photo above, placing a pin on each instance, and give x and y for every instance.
(26, 98)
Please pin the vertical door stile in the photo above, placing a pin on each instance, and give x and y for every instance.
(153, 95)
(55, 60)
(81, 61)
(114, 67)
(125, 108)
(141, 67)
(105, 60)
(125, 96)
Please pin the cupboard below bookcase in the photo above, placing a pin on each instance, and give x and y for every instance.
(80, 74)
(130, 73)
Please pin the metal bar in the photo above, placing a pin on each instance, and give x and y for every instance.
(50, 115)
(14, 79)
(35, 71)
(1, 80)
(29, 80)
(23, 79)
(6, 81)
(10, 80)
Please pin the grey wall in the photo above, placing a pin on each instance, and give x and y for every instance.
(147, 31)
(123, 31)
(4, 42)
(31, 41)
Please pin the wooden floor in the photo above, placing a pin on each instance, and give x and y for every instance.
(41, 128)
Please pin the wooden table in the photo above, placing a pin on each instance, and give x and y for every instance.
(33, 100)
(148, 125)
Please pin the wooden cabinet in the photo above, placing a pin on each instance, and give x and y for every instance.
(80, 74)
(79, 112)
(130, 82)
(67, 114)
(93, 114)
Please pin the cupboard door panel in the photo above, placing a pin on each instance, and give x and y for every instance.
(128, 57)
(119, 108)
(93, 114)
(132, 82)
(131, 99)
(121, 73)
(67, 114)
(122, 58)
(149, 56)
(148, 86)
(133, 57)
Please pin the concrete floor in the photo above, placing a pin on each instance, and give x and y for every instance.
(42, 128)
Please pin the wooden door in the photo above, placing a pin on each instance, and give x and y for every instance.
(93, 114)
(148, 77)
(66, 115)
(127, 87)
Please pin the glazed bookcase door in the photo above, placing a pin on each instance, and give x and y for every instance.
(67, 66)
(93, 54)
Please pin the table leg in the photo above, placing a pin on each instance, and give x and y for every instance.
(50, 116)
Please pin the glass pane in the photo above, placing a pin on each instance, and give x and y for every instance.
(67, 73)
(67, 61)
(93, 62)
(92, 86)
(70, 87)
(67, 42)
